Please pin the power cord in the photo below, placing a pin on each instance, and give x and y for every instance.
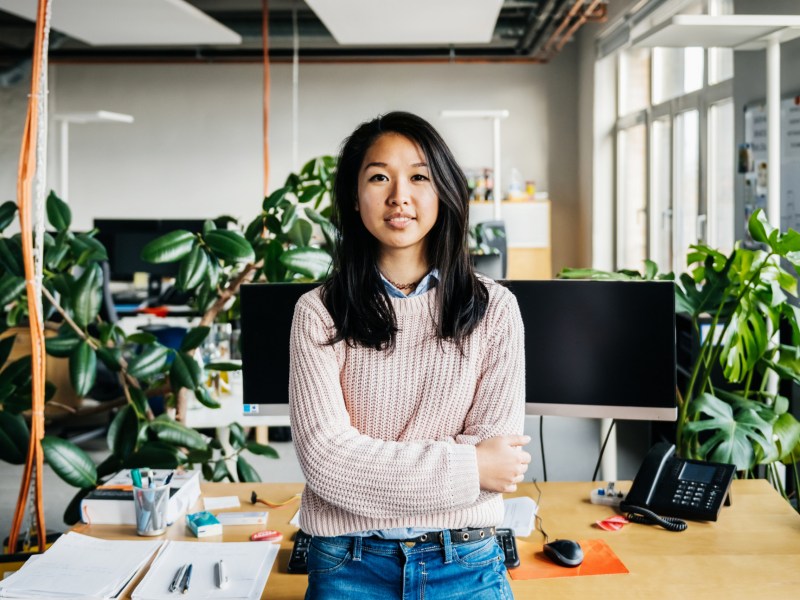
(644, 516)
(539, 522)
(541, 445)
(603, 449)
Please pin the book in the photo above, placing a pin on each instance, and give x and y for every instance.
(203, 524)
(112, 502)
(243, 518)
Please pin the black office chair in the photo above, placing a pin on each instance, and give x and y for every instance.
(493, 235)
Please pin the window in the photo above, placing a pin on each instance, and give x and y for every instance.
(687, 200)
(632, 198)
(720, 176)
(661, 193)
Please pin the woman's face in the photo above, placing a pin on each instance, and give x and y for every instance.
(396, 198)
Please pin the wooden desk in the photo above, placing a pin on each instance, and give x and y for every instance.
(753, 551)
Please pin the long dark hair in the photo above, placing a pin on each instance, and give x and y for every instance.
(354, 294)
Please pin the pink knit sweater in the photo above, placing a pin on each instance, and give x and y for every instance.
(387, 439)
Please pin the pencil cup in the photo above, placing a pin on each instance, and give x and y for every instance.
(150, 505)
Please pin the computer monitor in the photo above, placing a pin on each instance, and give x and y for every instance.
(125, 238)
(592, 348)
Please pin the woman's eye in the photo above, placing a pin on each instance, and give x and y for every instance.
(419, 177)
(378, 177)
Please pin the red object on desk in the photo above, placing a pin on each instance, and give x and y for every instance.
(158, 311)
(599, 559)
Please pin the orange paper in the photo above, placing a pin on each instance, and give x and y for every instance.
(599, 559)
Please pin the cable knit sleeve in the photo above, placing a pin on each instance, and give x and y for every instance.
(362, 475)
(499, 404)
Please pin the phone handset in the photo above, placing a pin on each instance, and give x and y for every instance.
(640, 497)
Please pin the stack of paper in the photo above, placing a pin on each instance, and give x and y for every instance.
(247, 564)
(79, 566)
(520, 515)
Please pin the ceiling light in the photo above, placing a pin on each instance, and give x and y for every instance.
(126, 23)
(408, 22)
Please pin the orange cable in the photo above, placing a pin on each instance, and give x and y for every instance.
(265, 38)
(25, 173)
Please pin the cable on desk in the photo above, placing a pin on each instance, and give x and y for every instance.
(254, 498)
(644, 516)
(603, 449)
(539, 521)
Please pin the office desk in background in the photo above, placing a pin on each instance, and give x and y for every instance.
(753, 551)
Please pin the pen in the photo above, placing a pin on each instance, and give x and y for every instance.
(136, 477)
(169, 477)
(187, 578)
(176, 580)
(222, 575)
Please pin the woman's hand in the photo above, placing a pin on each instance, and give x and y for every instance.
(502, 462)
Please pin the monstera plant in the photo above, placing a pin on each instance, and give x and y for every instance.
(746, 299)
(277, 245)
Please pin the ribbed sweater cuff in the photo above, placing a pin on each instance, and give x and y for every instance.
(464, 479)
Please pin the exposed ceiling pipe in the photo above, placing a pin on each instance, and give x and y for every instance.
(595, 6)
(536, 24)
(542, 38)
(576, 7)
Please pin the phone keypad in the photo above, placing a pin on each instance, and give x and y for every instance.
(694, 494)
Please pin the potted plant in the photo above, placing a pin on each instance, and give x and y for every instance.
(276, 246)
(746, 299)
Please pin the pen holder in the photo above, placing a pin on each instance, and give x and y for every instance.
(150, 505)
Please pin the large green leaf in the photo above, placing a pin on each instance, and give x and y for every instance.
(8, 211)
(311, 193)
(169, 247)
(288, 218)
(220, 471)
(6, 344)
(14, 438)
(139, 401)
(760, 228)
(230, 246)
(59, 214)
(82, 368)
(61, 346)
(246, 471)
(201, 393)
(236, 436)
(11, 287)
(262, 449)
(274, 198)
(88, 295)
(88, 249)
(744, 343)
(150, 362)
(787, 434)
(10, 259)
(17, 372)
(273, 269)
(157, 455)
(110, 357)
(227, 365)
(328, 230)
(177, 434)
(69, 462)
(730, 437)
(123, 433)
(194, 337)
(184, 372)
(192, 269)
(300, 233)
(312, 262)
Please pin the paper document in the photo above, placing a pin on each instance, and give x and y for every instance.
(217, 502)
(247, 565)
(79, 566)
(520, 515)
(295, 519)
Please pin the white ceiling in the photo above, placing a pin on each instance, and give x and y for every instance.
(129, 22)
(408, 22)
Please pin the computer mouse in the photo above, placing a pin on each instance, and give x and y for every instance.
(564, 552)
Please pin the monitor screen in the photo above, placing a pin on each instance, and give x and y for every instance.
(592, 348)
(125, 238)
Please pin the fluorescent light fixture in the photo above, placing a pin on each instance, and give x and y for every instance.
(741, 32)
(408, 22)
(98, 116)
(130, 23)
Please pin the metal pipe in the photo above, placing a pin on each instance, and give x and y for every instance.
(579, 21)
(563, 25)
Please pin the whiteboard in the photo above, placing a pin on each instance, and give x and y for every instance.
(755, 134)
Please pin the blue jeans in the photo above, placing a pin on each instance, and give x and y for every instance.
(344, 568)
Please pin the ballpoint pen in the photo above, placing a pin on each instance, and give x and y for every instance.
(169, 477)
(222, 575)
(187, 578)
(177, 579)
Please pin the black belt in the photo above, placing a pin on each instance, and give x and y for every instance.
(457, 536)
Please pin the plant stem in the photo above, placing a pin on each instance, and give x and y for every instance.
(69, 320)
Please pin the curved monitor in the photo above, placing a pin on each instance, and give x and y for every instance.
(592, 348)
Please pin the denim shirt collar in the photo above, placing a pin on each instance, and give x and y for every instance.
(427, 282)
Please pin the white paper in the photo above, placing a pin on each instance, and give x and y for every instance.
(520, 515)
(295, 519)
(247, 565)
(218, 502)
(79, 566)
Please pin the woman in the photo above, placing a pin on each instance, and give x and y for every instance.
(406, 383)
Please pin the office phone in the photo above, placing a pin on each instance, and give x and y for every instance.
(667, 486)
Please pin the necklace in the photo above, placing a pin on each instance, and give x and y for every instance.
(404, 286)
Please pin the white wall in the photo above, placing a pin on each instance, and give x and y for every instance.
(195, 147)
